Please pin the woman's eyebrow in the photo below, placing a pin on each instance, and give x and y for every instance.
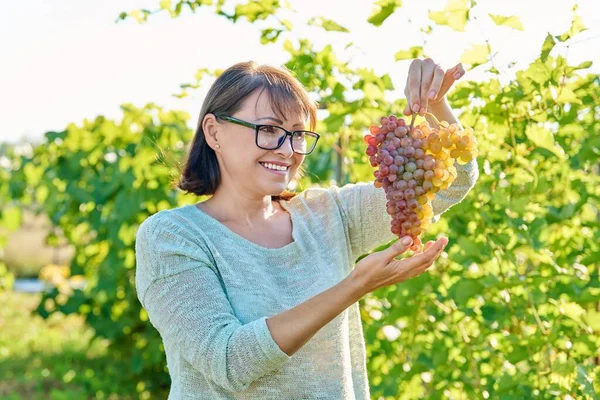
(280, 122)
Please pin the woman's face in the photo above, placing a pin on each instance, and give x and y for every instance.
(243, 159)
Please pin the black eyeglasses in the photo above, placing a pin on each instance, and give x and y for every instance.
(271, 137)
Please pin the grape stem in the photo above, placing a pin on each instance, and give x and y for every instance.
(414, 116)
(439, 124)
(412, 121)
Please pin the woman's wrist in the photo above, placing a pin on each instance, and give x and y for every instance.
(442, 111)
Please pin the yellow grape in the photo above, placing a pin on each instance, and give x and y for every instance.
(447, 141)
(466, 154)
(437, 182)
(435, 147)
(455, 153)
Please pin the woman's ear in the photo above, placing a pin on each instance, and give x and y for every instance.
(210, 127)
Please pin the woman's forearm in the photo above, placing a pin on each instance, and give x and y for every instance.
(291, 329)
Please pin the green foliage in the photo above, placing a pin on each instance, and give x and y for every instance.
(476, 55)
(101, 180)
(383, 9)
(413, 52)
(513, 21)
(510, 311)
(455, 15)
(327, 24)
(54, 359)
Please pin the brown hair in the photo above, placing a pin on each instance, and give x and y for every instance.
(201, 174)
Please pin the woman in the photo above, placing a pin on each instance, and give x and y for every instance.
(254, 291)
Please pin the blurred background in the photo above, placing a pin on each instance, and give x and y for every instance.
(98, 105)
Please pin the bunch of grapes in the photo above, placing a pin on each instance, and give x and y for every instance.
(414, 164)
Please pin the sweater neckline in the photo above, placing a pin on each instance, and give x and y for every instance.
(222, 227)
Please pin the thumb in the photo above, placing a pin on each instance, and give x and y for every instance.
(398, 247)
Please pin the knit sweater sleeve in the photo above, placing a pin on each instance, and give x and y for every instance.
(363, 207)
(181, 291)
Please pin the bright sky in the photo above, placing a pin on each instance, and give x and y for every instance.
(65, 60)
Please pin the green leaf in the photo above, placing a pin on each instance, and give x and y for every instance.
(476, 55)
(383, 9)
(270, 35)
(573, 311)
(455, 15)
(327, 24)
(11, 218)
(586, 382)
(547, 47)
(576, 27)
(334, 122)
(513, 21)
(413, 52)
(543, 138)
(464, 289)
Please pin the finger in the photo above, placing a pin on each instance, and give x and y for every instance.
(428, 255)
(407, 110)
(427, 73)
(450, 77)
(459, 71)
(436, 84)
(398, 247)
(416, 265)
(429, 244)
(414, 84)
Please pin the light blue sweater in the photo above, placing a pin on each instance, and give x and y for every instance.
(208, 291)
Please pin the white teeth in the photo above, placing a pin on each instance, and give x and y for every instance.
(275, 167)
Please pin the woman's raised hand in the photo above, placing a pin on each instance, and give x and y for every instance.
(427, 84)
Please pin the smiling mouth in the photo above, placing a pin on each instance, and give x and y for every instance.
(272, 167)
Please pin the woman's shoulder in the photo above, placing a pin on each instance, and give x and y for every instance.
(167, 235)
(163, 219)
(175, 226)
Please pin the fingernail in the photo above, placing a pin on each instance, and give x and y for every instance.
(423, 110)
(415, 107)
(457, 75)
(406, 240)
(432, 94)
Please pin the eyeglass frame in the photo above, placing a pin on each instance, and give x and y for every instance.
(257, 127)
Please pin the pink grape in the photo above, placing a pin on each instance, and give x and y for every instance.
(413, 164)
